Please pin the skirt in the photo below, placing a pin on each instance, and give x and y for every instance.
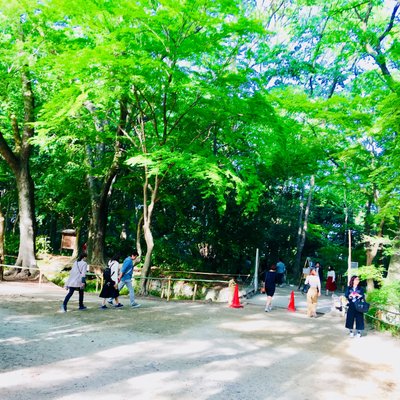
(108, 290)
(330, 284)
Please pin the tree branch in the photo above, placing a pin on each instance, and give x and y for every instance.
(8, 155)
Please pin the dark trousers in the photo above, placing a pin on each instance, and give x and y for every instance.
(71, 291)
(279, 278)
(353, 314)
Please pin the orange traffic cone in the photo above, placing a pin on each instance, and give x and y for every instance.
(235, 301)
(291, 306)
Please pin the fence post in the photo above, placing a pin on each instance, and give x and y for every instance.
(169, 288)
(194, 291)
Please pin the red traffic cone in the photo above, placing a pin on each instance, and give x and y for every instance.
(235, 301)
(291, 306)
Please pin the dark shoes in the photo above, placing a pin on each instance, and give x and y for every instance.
(118, 305)
(82, 308)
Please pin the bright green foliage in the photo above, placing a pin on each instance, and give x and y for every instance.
(225, 109)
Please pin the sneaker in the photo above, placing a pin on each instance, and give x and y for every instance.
(351, 334)
(118, 305)
(63, 309)
(103, 307)
(82, 308)
(267, 309)
(136, 305)
(358, 334)
(109, 301)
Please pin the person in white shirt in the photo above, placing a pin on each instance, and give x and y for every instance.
(330, 281)
(313, 292)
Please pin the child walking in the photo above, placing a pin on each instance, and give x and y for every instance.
(110, 286)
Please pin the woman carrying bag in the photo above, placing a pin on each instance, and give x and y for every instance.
(76, 281)
(354, 293)
(313, 292)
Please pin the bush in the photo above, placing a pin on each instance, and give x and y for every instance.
(384, 313)
(43, 244)
(387, 295)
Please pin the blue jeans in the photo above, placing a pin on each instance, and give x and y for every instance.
(128, 284)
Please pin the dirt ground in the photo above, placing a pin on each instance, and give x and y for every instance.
(170, 350)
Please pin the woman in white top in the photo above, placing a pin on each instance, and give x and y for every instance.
(313, 292)
(330, 281)
(110, 287)
(76, 281)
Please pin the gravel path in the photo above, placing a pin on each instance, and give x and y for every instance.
(185, 350)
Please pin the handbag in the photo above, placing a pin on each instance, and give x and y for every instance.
(361, 306)
(305, 288)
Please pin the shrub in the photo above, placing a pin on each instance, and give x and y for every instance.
(385, 310)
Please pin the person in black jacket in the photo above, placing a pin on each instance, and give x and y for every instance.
(270, 284)
(354, 292)
(320, 271)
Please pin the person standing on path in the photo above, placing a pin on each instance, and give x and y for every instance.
(320, 271)
(280, 272)
(313, 292)
(330, 281)
(354, 292)
(76, 281)
(270, 278)
(125, 276)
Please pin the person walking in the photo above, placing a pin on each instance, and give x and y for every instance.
(313, 292)
(125, 276)
(330, 281)
(76, 281)
(354, 292)
(270, 278)
(110, 286)
(280, 272)
(320, 271)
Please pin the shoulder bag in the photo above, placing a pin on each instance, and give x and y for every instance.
(361, 306)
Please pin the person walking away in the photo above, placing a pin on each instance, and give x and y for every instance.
(330, 281)
(354, 292)
(270, 279)
(280, 272)
(125, 276)
(110, 286)
(76, 281)
(313, 292)
(320, 271)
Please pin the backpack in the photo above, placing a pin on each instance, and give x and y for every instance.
(107, 274)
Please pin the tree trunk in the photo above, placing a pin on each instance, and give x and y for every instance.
(303, 227)
(1, 243)
(138, 235)
(394, 265)
(371, 252)
(18, 161)
(394, 268)
(100, 190)
(76, 251)
(97, 231)
(26, 255)
(297, 261)
(148, 208)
